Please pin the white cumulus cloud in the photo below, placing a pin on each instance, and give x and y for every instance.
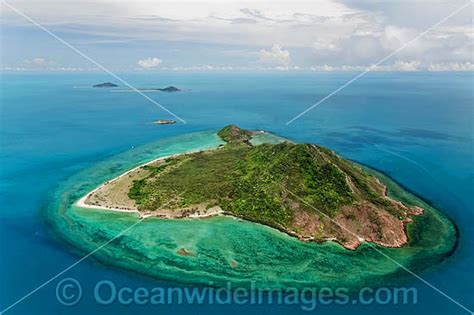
(451, 66)
(149, 63)
(399, 65)
(39, 62)
(277, 55)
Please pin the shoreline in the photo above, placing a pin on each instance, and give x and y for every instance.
(220, 212)
(81, 202)
(78, 242)
(421, 198)
(217, 211)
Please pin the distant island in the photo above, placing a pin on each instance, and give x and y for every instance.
(105, 85)
(168, 89)
(304, 190)
(165, 122)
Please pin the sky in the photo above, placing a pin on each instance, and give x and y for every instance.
(317, 35)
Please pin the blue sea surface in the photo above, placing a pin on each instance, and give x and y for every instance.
(415, 127)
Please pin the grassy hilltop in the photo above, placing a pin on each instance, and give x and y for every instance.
(303, 189)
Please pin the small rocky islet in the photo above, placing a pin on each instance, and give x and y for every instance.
(105, 85)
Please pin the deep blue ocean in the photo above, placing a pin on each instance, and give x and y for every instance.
(415, 127)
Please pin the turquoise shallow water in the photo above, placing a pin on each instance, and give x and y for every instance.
(417, 128)
(262, 255)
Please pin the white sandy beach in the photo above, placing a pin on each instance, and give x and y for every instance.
(82, 201)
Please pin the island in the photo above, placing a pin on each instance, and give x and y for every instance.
(105, 85)
(169, 89)
(165, 122)
(304, 190)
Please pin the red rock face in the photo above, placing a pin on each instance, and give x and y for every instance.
(355, 224)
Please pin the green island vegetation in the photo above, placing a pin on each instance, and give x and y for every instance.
(305, 190)
(171, 244)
